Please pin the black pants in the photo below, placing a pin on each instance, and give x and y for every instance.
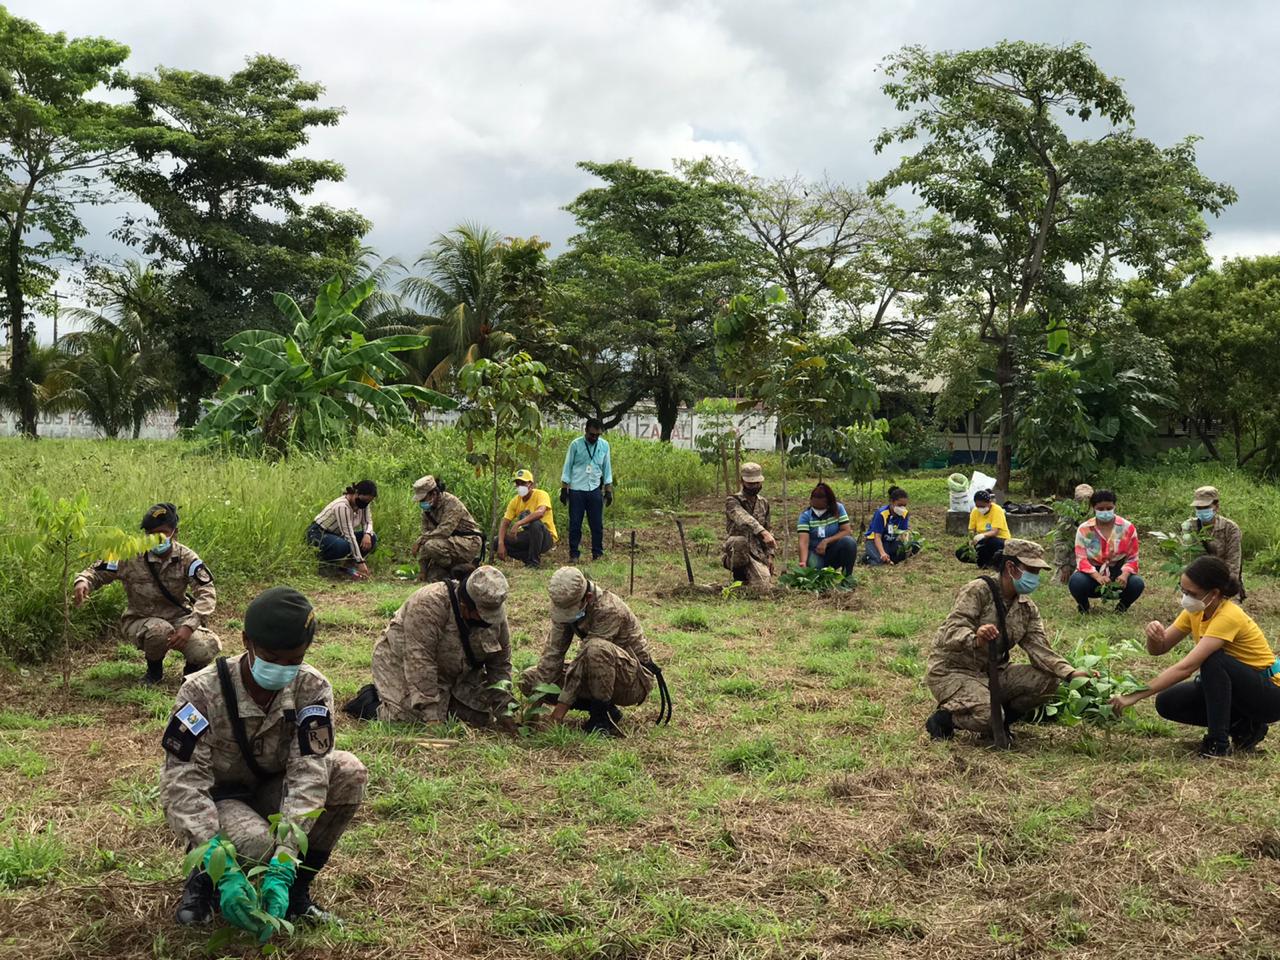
(986, 550)
(1227, 697)
(528, 543)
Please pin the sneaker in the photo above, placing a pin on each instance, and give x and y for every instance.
(1212, 749)
(1246, 738)
(940, 726)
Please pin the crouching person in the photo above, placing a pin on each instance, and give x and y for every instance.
(442, 654)
(985, 609)
(749, 546)
(613, 667)
(252, 736)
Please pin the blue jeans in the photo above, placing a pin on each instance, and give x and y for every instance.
(897, 552)
(333, 548)
(1083, 587)
(840, 554)
(591, 504)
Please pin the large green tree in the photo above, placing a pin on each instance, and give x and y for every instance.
(219, 170)
(55, 141)
(1031, 208)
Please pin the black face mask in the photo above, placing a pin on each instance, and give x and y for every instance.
(362, 504)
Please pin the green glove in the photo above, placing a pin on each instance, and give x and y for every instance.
(275, 885)
(236, 897)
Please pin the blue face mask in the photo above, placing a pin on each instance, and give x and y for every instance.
(1106, 516)
(1026, 583)
(160, 549)
(423, 505)
(1205, 514)
(272, 676)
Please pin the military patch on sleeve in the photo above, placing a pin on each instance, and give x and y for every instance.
(315, 730)
(107, 565)
(185, 728)
(199, 572)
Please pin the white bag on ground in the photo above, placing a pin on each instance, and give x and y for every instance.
(958, 488)
(979, 481)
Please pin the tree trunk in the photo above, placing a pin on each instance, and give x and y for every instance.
(668, 407)
(24, 397)
(493, 500)
(1004, 447)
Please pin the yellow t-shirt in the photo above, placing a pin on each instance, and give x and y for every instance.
(537, 498)
(980, 522)
(1241, 637)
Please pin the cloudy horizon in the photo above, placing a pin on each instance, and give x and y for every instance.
(479, 112)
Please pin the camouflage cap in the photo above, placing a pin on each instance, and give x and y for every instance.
(1205, 497)
(159, 515)
(487, 590)
(1083, 491)
(751, 472)
(568, 588)
(1026, 553)
(423, 486)
(280, 619)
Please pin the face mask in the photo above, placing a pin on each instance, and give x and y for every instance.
(819, 513)
(750, 491)
(984, 510)
(1192, 604)
(1026, 583)
(900, 511)
(1105, 516)
(160, 549)
(1205, 514)
(272, 676)
(362, 504)
(523, 491)
(582, 615)
(423, 505)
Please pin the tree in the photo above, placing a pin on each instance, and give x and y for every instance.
(638, 289)
(1053, 433)
(317, 386)
(43, 363)
(1029, 206)
(54, 144)
(217, 167)
(104, 375)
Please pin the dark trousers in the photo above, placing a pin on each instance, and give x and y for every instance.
(1083, 587)
(528, 543)
(840, 554)
(333, 548)
(589, 503)
(986, 550)
(1229, 697)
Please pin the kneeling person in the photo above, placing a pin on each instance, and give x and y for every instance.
(450, 537)
(441, 655)
(613, 667)
(957, 672)
(170, 593)
(528, 528)
(250, 737)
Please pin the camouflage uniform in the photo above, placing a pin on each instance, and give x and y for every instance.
(957, 671)
(745, 553)
(150, 617)
(420, 667)
(206, 787)
(610, 665)
(1223, 542)
(450, 538)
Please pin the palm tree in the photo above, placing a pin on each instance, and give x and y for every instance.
(103, 375)
(43, 361)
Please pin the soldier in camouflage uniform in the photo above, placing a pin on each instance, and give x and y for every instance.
(450, 538)
(1064, 534)
(957, 671)
(442, 653)
(170, 593)
(252, 736)
(749, 546)
(1221, 537)
(613, 667)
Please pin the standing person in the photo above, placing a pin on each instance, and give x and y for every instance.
(1220, 536)
(586, 486)
(442, 654)
(749, 546)
(988, 531)
(613, 667)
(825, 539)
(170, 595)
(1237, 693)
(343, 532)
(250, 738)
(528, 528)
(1106, 552)
(1064, 534)
(451, 539)
(957, 672)
(888, 533)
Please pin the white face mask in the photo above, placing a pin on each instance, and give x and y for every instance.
(986, 509)
(900, 511)
(522, 490)
(819, 513)
(1192, 604)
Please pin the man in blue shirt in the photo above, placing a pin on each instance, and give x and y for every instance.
(586, 485)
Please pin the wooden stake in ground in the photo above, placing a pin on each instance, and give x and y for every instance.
(688, 567)
(632, 588)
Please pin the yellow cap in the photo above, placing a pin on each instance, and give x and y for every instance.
(523, 476)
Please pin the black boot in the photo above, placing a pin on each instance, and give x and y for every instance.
(301, 908)
(196, 905)
(189, 668)
(604, 719)
(940, 725)
(155, 672)
(1246, 735)
(740, 574)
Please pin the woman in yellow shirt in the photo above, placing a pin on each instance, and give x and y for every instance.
(1238, 690)
(988, 530)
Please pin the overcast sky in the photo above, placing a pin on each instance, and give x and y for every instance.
(479, 109)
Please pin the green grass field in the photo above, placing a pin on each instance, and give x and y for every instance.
(794, 808)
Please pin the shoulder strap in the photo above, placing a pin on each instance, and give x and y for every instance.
(237, 721)
(1000, 618)
(151, 569)
(464, 630)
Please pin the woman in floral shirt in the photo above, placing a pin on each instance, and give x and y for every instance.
(1106, 552)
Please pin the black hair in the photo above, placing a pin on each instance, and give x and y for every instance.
(1212, 573)
(828, 494)
(595, 422)
(984, 495)
(896, 493)
(366, 488)
(1102, 496)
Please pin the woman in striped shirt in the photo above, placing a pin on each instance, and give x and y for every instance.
(343, 532)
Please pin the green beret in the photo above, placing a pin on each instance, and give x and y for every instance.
(280, 619)
(159, 515)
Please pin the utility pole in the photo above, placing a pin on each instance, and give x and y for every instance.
(56, 297)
